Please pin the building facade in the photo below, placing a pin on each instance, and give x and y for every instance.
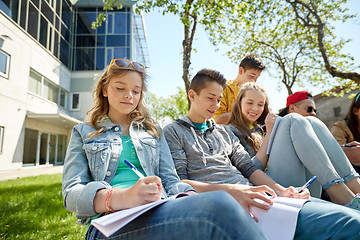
(332, 109)
(49, 60)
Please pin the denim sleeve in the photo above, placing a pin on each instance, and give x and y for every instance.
(241, 158)
(78, 187)
(168, 174)
(177, 152)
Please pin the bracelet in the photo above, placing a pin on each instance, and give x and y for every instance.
(108, 208)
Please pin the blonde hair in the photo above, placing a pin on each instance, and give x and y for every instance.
(100, 107)
(238, 120)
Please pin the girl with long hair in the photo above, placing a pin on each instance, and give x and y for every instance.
(302, 147)
(347, 132)
(96, 181)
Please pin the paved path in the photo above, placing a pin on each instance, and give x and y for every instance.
(30, 171)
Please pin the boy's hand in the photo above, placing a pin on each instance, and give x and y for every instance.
(293, 192)
(246, 195)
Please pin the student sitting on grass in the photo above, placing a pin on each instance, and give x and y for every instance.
(302, 146)
(209, 157)
(96, 181)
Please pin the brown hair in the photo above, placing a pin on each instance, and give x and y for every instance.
(352, 120)
(238, 120)
(203, 77)
(100, 106)
(252, 61)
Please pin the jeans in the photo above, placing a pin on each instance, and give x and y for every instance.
(211, 215)
(304, 147)
(322, 220)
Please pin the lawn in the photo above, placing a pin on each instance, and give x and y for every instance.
(32, 208)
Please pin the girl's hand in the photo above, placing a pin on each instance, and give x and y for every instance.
(145, 190)
(293, 192)
(269, 121)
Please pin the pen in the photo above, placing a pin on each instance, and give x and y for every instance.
(259, 127)
(348, 145)
(140, 175)
(307, 184)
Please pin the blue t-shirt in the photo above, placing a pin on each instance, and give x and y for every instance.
(201, 126)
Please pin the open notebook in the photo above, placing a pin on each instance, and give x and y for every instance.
(110, 223)
(279, 222)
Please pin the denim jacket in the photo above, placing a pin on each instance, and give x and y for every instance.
(90, 164)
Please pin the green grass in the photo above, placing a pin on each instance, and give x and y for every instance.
(32, 208)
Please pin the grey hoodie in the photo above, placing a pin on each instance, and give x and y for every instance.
(213, 156)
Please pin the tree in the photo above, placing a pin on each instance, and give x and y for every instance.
(191, 13)
(165, 110)
(272, 30)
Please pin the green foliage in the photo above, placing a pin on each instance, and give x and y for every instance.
(274, 31)
(165, 110)
(108, 6)
(32, 208)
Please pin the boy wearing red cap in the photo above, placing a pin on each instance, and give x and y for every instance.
(300, 102)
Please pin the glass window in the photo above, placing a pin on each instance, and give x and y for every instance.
(33, 21)
(100, 40)
(56, 44)
(120, 23)
(35, 83)
(85, 41)
(63, 98)
(110, 28)
(109, 55)
(58, 7)
(75, 101)
(1, 138)
(57, 23)
(115, 40)
(23, 14)
(84, 23)
(100, 58)
(66, 14)
(46, 10)
(84, 59)
(51, 91)
(119, 53)
(43, 31)
(36, 3)
(64, 52)
(30, 146)
(10, 8)
(65, 32)
(4, 64)
(61, 149)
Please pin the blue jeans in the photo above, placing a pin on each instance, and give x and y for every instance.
(212, 215)
(320, 220)
(304, 147)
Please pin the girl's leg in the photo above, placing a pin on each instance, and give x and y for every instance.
(297, 154)
(212, 215)
(324, 220)
(336, 155)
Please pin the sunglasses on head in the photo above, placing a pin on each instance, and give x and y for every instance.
(310, 109)
(127, 64)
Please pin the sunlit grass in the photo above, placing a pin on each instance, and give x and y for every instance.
(32, 208)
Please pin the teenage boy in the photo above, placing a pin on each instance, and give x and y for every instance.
(209, 157)
(250, 69)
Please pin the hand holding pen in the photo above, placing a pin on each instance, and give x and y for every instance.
(311, 180)
(141, 176)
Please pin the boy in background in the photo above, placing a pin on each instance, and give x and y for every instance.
(250, 69)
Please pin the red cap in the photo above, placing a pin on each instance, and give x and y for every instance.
(296, 97)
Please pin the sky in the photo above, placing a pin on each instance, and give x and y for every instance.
(164, 39)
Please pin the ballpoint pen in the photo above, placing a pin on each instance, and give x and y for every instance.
(349, 145)
(140, 175)
(307, 184)
(259, 127)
